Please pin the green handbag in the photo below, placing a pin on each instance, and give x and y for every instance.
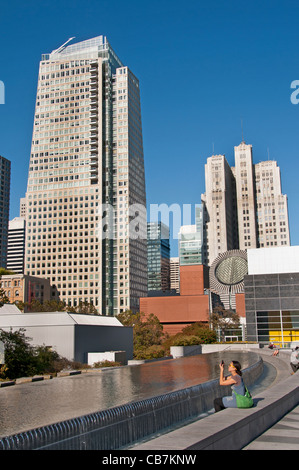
(244, 401)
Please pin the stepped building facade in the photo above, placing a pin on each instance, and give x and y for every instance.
(86, 171)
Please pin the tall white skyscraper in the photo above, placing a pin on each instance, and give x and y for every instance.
(262, 208)
(220, 206)
(86, 173)
(245, 207)
(175, 274)
(245, 195)
(271, 205)
(16, 245)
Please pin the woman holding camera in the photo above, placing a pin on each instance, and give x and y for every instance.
(235, 380)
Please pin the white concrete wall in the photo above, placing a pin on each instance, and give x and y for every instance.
(273, 260)
(112, 356)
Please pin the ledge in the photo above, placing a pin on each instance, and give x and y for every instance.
(7, 383)
(66, 373)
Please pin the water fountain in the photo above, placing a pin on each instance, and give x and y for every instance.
(124, 405)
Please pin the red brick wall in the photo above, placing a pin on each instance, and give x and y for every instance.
(193, 279)
(240, 305)
(177, 311)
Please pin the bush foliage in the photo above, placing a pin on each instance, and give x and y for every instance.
(150, 342)
(24, 360)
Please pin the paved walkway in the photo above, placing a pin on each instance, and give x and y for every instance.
(284, 435)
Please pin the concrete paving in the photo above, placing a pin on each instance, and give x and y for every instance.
(272, 423)
(284, 435)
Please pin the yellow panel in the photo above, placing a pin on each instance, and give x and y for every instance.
(288, 336)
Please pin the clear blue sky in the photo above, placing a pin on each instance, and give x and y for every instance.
(202, 65)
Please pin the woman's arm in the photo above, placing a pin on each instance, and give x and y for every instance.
(225, 380)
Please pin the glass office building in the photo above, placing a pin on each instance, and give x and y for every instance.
(272, 308)
(191, 240)
(4, 208)
(158, 249)
(86, 171)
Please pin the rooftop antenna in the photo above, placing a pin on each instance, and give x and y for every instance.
(243, 142)
(213, 148)
(268, 153)
(63, 46)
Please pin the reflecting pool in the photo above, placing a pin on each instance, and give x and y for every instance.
(27, 406)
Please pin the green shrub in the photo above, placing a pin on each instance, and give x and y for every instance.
(205, 334)
(24, 360)
(106, 363)
(185, 340)
(155, 351)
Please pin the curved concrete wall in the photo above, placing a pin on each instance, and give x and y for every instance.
(123, 425)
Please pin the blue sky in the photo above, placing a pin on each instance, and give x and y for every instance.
(203, 67)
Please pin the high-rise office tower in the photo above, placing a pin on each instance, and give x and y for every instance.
(271, 205)
(192, 246)
(220, 204)
(245, 205)
(175, 274)
(23, 207)
(4, 208)
(245, 195)
(86, 173)
(158, 253)
(262, 208)
(16, 245)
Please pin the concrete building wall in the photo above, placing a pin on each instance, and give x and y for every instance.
(176, 312)
(273, 260)
(107, 338)
(60, 339)
(71, 335)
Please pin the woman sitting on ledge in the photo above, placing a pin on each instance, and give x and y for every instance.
(235, 380)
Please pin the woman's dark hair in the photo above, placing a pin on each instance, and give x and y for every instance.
(237, 365)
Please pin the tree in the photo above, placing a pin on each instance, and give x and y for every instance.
(83, 307)
(147, 331)
(20, 359)
(202, 331)
(24, 360)
(222, 319)
(3, 298)
(4, 272)
(195, 333)
(47, 306)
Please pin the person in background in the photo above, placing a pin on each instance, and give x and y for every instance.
(274, 348)
(235, 380)
(295, 359)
